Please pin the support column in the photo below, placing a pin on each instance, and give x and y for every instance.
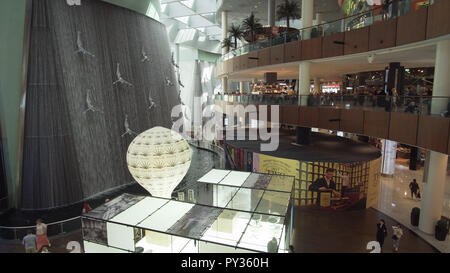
(303, 135)
(319, 18)
(271, 12)
(441, 78)
(224, 30)
(225, 85)
(436, 163)
(304, 82)
(241, 87)
(433, 191)
(307, 18)
(317, 88)
(395, 78)
(413, 158)
(389, 154)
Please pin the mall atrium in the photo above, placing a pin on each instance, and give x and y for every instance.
(224, 126)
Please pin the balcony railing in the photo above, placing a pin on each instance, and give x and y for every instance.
(395, 9)
(53, 229)
(420, 105)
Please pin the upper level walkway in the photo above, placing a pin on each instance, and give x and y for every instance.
(419, 121)
(372, 30)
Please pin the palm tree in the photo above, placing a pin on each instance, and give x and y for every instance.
(226, 43)
(251, 24)
(236, 32)
(288, 10)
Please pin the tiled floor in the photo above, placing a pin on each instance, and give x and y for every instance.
(395, 201)
(320, 231)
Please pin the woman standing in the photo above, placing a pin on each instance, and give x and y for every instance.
(381, 232)
(41, 234)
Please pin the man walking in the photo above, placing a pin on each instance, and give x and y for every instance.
(29, 241)
(414, 187)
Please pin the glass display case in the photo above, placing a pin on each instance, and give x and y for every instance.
(232, 212)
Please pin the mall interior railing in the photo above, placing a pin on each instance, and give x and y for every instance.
(421, 105)
(395, 9)
(53, 229)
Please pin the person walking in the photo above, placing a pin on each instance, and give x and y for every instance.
(414, 187)
(30, 242)
(41, 233)
(272, 246)
(398, 233)
(381, 232)
(86, 208)
(291, 249)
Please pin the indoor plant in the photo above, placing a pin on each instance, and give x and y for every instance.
(251, 25)
(441, 230)
(226, 43)
(415, 213)
(288, 10)
(236, 33)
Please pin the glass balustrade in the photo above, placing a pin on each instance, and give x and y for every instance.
(421, 105)
(360, 20)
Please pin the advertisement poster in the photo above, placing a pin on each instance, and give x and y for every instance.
(256, 162)
(275, 165)
(373, 189)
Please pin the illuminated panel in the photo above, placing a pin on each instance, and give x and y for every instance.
(166, 216)
(120, 236)
(235, 179)
(97, 248)
(214, 176)
(135, 214)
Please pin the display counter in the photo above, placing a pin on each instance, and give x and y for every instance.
(236, 212)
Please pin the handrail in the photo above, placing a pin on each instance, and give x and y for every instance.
(334, 95)
(251, 46)
(50, 224)
(438, 106)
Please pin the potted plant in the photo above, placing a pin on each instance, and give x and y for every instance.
(288, 10)
(236, 33)
(415, 213)
(226, 43)
(441, 230)
(251, 25)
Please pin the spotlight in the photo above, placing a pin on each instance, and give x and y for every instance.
(370, 58)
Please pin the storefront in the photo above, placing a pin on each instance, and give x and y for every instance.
(357, 183)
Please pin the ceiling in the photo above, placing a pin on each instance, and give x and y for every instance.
(197, 23)
(238, 10)
(192, 23)
(332, 69)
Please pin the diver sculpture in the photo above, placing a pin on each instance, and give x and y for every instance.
(169, 82)
(128, 131)
(90, 105)
(173, 62)
(80, 47)
(120, 80)
(145, 57)
(150, 100)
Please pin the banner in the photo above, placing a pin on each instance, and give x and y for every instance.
(373, 189)
(256, 162)
(276, 165)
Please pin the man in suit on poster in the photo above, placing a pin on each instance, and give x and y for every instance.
(325, 184)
